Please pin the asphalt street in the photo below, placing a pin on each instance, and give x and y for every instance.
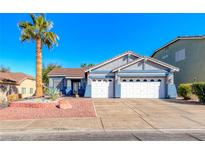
(102, 136)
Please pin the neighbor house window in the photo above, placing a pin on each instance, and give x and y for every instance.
(23, 90)
(180, 55)
(31, 90)
(165, 56)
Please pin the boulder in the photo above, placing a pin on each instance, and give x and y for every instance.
(65, 105)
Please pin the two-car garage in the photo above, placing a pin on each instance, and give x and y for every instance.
(129, 88)
(143, 88)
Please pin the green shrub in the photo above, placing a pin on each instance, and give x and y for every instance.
(53, 93)
(199, 90)
(185, 90)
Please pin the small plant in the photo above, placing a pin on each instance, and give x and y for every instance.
(185, 90)
(53, 93)
(199, 90)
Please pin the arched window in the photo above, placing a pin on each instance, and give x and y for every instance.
(138, 80)
(131, 80)
(145, 80)
(99, 80)
(159, 80)
(123, 80)
(94, 80)
(104, 80)
(152, 80)
(110, 80)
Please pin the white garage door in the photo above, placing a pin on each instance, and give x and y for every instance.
(102, 88)
(143, 88)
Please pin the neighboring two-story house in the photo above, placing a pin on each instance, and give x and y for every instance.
(186, 53)
(127, 75)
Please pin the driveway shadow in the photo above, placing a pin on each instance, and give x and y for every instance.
(181, 101)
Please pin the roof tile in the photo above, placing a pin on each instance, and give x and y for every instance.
(68, 72)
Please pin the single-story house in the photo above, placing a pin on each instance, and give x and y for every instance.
(18, 83)
(127, 75)
(68, 80)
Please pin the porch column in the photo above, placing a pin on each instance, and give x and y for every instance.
(117, 86)
(171, 88)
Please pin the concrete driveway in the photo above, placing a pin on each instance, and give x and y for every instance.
(147, 114)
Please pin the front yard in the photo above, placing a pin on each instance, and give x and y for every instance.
(36, 110)
(112, 114)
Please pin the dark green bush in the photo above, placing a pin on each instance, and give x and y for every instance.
(199, 90)
(185, 90)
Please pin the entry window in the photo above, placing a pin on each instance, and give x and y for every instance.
(23, 90)
(145, 80)
(123, 80)
(152, 80)
(31, 90)
(131, 80)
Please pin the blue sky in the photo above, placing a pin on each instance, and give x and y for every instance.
(92, 38)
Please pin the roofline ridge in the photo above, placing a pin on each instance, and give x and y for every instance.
(176, 39)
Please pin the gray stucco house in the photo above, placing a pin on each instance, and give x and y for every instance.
(187, 53)
(127, 75)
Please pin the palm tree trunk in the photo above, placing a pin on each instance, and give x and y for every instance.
(39, 87)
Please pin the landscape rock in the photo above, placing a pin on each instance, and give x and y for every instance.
(64, 104)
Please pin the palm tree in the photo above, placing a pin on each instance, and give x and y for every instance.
(39, 31)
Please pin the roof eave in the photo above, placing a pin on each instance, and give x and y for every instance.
(176, 39)
(112, 59)
(173, 68)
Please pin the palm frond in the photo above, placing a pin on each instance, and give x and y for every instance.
(33, 17)
(48, 43)
(24, 24)
(24, 37)
(40, 27)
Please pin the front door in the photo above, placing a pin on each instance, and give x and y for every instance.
(75, 87)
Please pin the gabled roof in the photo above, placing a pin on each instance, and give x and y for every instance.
(149, 59)
(177, 39)
(112, 59)
(68, 72)
(14, 77)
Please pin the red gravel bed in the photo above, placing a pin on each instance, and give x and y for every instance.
(32, 105)
(80, 108)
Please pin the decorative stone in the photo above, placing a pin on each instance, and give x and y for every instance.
(64, 105)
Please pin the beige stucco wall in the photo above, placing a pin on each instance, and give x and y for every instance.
(1, 96)
(192, 68)
(27, 83)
